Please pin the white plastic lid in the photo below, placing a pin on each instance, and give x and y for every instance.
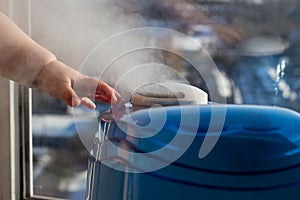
(168, 94)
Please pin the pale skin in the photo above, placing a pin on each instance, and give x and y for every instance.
(28, 63)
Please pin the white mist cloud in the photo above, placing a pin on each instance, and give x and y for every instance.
(72, 28)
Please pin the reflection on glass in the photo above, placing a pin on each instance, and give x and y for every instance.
(59, 158)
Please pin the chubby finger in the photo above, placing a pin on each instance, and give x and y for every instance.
(103, 99)
(105, 90)
(114, 99)
(119, 97)
(88, 103)
(91, 87)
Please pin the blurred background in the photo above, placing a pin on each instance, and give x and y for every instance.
(254, 43)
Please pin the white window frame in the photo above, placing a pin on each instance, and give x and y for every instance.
(9, 143)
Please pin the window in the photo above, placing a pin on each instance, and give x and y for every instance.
(254, 44)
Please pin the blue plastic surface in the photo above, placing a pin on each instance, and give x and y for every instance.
(260, 137)
(256, 156)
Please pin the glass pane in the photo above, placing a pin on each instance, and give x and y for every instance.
(254, 44)
(59, 157)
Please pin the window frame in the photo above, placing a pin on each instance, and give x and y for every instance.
(9, 170)
(16, 118)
